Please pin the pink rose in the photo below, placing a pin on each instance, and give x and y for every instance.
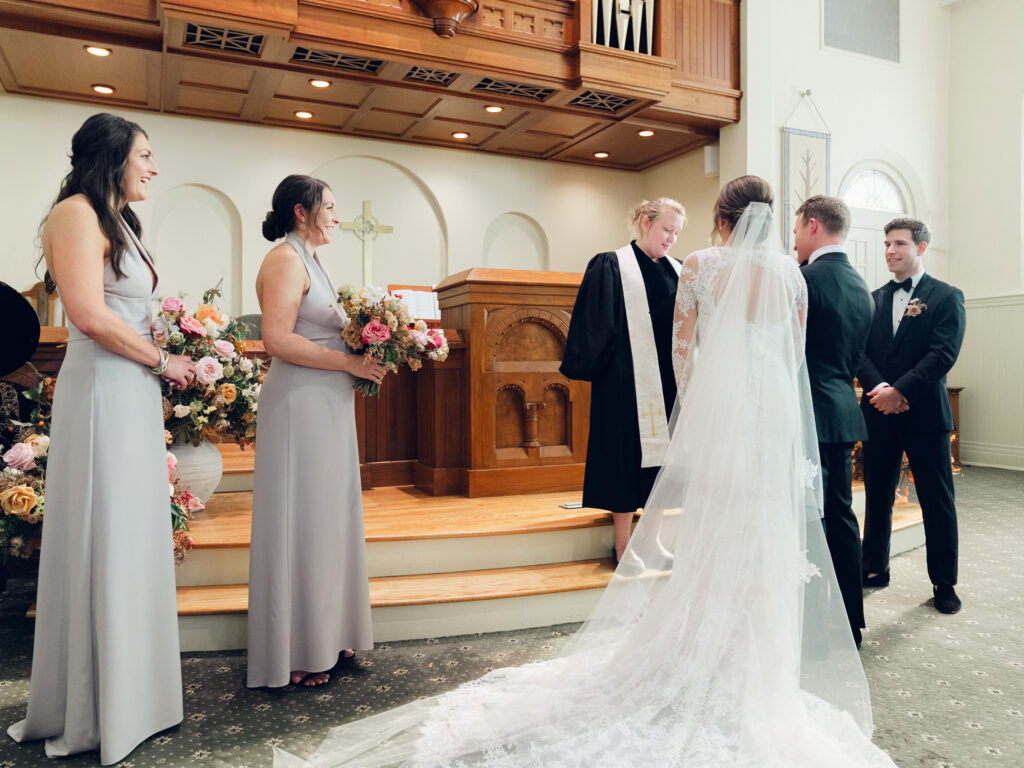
(375, 332)
(436, 339)
(172, 304)
(189, 325)
(21, 456)
(419, 337)
(191, 503)
(224, 348)
(208, 370)
(172, 464)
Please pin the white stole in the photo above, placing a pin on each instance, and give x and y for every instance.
(650, 399)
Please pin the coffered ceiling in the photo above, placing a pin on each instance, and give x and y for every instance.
(530, 90)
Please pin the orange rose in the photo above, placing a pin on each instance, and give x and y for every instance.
(208, 311)
(228, 392)
(19, 500)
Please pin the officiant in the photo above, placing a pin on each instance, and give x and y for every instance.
(620, 340)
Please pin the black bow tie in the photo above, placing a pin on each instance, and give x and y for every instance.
(906, 285)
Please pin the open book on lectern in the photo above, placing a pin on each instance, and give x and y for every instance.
(420, 299)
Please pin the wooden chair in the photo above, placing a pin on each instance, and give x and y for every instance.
(47, 305)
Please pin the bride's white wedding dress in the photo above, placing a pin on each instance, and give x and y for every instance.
(734, 650)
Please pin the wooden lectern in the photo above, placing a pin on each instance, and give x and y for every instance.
(523, 425)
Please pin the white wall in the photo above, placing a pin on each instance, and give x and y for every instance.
(683, 179)
(216, 181)
(875, 110)
(986, 174)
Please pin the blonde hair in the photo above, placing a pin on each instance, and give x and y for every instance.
(652, 209)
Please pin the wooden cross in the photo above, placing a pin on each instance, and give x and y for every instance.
(652, 411)
(366, 228)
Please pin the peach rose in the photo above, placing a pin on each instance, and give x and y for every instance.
(228, 392)
(21, 456)
(209, 312)
(190, 326)
(19, 500)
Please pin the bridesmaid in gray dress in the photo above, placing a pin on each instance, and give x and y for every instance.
(106, 672)
(309, 596)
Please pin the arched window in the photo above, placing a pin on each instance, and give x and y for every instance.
(876, 191)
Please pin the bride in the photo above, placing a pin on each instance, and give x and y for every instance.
(730, 646)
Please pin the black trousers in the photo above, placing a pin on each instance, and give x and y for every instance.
(928, 454)
(841, 530)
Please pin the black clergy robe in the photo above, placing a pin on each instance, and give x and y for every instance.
(597, 350)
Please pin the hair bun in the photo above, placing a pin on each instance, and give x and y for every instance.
(272, 229)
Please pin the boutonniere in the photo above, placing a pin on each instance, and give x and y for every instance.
(915, 308)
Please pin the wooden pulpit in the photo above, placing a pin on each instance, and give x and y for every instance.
(524, 424)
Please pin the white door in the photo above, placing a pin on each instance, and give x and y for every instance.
(865, 245)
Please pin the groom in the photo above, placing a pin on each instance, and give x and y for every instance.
(839, 312)
(915, 339)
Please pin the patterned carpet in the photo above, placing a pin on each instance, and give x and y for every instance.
(948, 691)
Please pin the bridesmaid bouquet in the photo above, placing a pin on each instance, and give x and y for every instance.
(379, 325)
(221, 400)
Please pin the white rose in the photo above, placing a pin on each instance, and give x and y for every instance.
(181, 411)
(212, 329)
(40, 444)
(245, 364)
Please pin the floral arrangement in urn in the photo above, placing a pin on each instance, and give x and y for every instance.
(25, 445)
(379, 325)
(220, 402)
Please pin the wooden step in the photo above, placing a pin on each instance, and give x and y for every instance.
(402, 513)
(428, 589)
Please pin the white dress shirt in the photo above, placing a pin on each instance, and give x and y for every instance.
(900, 299)
(837, 247)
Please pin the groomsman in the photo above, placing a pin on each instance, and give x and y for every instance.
(914, 340)
(839, 311)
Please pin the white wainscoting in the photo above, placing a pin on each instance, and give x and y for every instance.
(991, 367)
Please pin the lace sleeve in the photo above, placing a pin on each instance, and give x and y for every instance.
(684, 326)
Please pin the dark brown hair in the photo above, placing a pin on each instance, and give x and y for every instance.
(293, 190)
(736, 195)
(918, 229)
(99, 156)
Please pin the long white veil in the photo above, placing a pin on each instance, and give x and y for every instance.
(727, 643)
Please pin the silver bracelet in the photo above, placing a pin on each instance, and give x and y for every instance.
(161, 368)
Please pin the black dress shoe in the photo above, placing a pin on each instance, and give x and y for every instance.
(878, 580)
(946, 600)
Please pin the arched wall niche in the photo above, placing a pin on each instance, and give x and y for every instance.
(516, 241)
(416, 252)
(196, 236)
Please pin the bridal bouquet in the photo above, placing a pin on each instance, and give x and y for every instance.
(221, 400)
(379, 325)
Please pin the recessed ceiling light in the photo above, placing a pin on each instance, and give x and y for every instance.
(104, 89)
(95, 50)
(493, 108)
(600, 155)
(460, 135)
(320, 83)
(303, 114)
(645, 133)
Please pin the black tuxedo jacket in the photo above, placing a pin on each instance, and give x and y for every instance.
(917, 358)
(839, 312)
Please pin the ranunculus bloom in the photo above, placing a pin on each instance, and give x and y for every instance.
(19, 500)
(228, 392)
(190, 326)
(375, 332)
(21, 456)
(161, 330)
(208, 370)
(225, 348)
(40, 444)
(209, 312)
(181, 411)
(172, 304)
